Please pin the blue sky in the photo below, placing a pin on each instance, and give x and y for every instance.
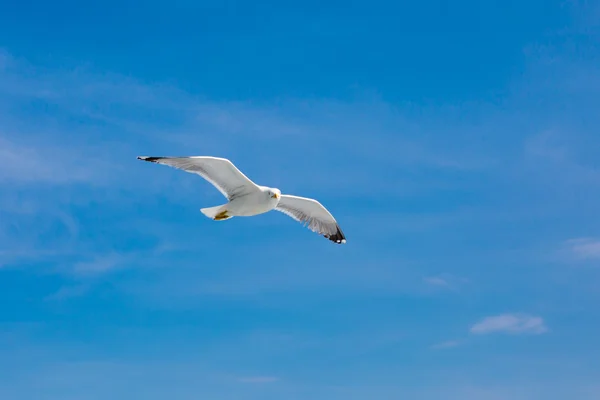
(456, 144)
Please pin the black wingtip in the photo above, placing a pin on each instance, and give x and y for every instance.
(149, 159)
(338, 237)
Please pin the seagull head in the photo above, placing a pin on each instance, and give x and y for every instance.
(274, 193)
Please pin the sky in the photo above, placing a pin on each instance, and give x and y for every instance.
(456, 143)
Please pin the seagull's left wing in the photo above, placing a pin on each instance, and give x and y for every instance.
(313, 214)
(225, 176)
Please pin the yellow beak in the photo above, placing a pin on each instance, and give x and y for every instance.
(275, 196)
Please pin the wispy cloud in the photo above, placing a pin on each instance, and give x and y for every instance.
(99, 264)
(102, 263)
(46, 163)
(436, 281)
(515, 324)
(584, 248)
(163, 118)
(31, 229)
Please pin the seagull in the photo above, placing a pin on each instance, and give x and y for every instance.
(246, 199)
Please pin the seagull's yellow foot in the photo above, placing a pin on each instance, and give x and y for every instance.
(221, 216)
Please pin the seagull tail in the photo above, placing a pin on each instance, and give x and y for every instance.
(218, 213)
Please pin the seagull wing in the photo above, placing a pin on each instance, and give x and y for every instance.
(221, 172)
(312, 214)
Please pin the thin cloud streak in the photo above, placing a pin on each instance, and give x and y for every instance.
(445, 281)
(166, 117)
(584, 248)
(514, 324)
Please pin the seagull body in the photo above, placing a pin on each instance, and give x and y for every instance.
(246, 199)
(247, 205)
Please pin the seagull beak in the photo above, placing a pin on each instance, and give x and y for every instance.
(275, 196)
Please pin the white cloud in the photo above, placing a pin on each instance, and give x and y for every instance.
(515, 324)
(584, 248)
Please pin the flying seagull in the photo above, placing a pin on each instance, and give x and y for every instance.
(246, 199)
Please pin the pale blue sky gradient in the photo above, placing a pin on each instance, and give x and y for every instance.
(456, 144)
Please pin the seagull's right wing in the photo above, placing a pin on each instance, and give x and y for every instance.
(221, 172)
(312, 213)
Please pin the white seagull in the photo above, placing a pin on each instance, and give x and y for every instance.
(247, 199)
